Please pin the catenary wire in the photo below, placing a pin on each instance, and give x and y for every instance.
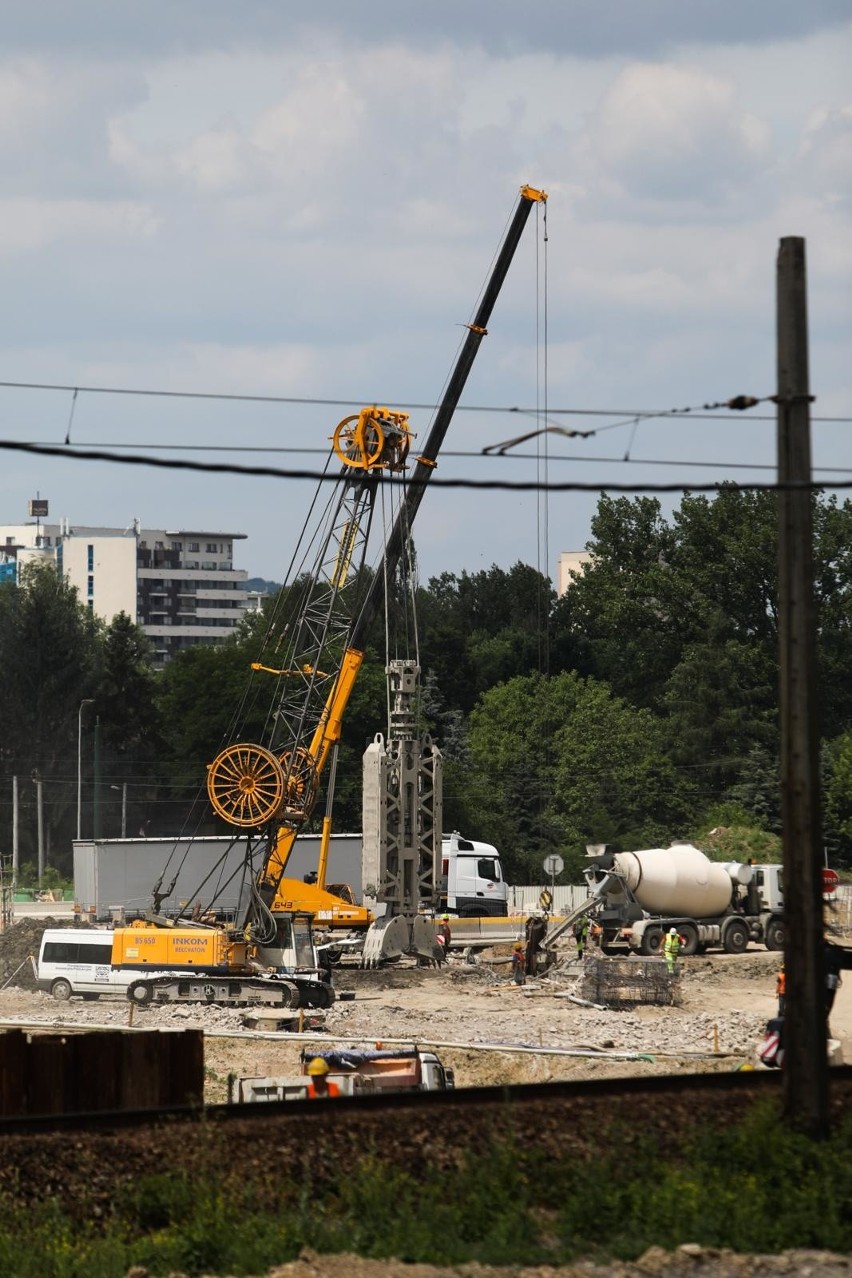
(506, 485)
(225, 397)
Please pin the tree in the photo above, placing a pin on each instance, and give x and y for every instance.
(559, 762)
(49, 652)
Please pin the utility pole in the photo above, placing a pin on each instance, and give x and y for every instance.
(805, 1060)
(16, 858)
(40, 820)
(96, 781)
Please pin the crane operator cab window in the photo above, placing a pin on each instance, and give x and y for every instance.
(294, 940)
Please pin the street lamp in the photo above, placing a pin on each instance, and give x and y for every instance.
(87, 701)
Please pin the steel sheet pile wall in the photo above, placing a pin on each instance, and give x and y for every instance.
(108, 1070)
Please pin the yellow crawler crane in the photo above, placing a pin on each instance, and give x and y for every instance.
(268, 789)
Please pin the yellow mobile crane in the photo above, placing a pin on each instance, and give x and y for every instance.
(268, 790)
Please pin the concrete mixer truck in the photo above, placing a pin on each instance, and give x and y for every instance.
(637, 896)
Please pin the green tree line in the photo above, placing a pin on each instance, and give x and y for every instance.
(640, 707)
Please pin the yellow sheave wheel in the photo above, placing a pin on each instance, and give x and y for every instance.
(246, 785)
(359, 442)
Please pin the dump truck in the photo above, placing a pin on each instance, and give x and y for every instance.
(637, 897)
(356, 1072)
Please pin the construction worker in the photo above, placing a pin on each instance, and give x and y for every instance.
(535, 930)
(781, 990)
(581, 935)
(444, 935)
(518, 964)
(671, 949)
(319, 1087)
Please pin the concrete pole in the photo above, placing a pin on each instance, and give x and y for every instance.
(805, 1062)
(15, 831)
(39, 785)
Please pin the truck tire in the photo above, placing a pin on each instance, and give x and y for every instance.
(652, 941)
(736, 937)
(774, 936)
(61, 990)
(140, 993)
(689, 939)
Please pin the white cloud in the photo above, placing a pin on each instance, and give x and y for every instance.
(27, 224)
(673, 133)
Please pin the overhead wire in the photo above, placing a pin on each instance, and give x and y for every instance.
(307, 400)
(491, 485)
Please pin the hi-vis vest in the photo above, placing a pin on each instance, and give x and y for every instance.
(672, 945)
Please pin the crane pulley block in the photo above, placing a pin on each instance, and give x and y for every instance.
(376, 438)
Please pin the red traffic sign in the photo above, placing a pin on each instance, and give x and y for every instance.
(830, 880)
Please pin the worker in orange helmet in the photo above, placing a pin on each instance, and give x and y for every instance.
(319, 1087)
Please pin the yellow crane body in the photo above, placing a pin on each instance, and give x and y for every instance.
(206, 949)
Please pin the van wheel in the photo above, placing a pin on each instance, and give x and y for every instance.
(140, 993)
(61, 990)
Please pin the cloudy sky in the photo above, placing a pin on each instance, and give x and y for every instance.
(242, 200)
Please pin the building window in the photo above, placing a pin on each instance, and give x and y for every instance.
(90, 586)
(194, 547)
(90, 552)
(158, 545)
(211, 548)
(177, 545)
(143, 545)
(91, 604)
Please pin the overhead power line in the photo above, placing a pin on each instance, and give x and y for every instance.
(274, 472)
(700, 411)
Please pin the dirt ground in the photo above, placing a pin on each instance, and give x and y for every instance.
(485, 1028)
(489, 1031)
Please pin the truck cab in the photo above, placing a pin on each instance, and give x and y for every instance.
(472, 883)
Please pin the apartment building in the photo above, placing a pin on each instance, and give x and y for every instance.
(179, 585)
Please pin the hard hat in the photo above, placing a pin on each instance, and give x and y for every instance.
(518, 945)
(672, 931)
(445, 916)
(318, 1066)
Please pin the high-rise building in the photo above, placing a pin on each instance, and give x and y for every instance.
(180, 585)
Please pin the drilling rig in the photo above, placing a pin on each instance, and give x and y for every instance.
(266, 790)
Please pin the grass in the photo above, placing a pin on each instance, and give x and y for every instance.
(756, 1188)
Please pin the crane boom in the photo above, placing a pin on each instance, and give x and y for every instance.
(274, 788)
(329, 729)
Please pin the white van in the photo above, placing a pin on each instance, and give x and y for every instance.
(79, 961)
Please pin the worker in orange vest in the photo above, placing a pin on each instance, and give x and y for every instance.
(781, 991)
(319, 1087)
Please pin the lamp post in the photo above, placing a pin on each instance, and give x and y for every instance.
(123, 789)
(87, 701)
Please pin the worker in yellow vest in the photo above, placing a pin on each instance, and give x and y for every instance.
(671, 949)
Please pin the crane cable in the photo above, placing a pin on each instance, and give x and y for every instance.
(542, 496)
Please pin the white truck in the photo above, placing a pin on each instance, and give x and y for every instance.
(636, 897)
(471, 883)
